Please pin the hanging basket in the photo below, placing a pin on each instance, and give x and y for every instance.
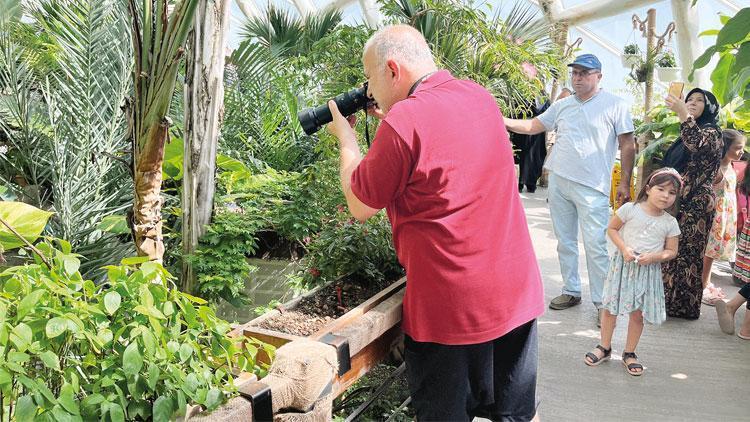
(630, 60)
(668, 74)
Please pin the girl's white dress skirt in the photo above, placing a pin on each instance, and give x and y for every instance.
(631, 287)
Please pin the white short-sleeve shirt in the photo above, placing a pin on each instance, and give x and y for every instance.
(646, 233)
(586, 137)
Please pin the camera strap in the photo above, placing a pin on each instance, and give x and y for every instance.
(419, 81)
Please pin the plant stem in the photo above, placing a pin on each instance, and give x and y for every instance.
(23, 239)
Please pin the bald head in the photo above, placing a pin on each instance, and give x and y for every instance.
(402, 43)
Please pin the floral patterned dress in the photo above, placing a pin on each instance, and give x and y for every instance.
(684, 288)
(722, 240)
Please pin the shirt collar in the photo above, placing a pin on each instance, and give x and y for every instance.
(438, 78)
(599, 91)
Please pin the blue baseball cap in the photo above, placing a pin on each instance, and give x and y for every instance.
(589, 61)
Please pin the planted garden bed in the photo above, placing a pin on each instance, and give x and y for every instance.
(363, 334)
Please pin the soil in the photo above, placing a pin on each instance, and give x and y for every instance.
(314, 312)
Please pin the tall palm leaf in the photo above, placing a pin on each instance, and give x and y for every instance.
(68, 130)
(285, 33)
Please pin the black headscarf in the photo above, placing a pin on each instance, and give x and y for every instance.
(710, 115)
(677, 156)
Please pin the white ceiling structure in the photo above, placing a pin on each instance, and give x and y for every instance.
(604, 25)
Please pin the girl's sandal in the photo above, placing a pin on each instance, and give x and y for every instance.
(635, 369)
(591, 359)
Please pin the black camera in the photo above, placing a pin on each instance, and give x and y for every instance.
(312, 119)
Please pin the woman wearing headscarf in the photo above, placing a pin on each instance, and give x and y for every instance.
(698, 165)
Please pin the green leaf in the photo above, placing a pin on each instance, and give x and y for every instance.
(132, 361)
(150, 268)
(720, 78)
(163, 409)
(735, 29)
(709, 32)
(71, 264)
(28, 221)
(112, 302)
(185, 352)
(116, 224)
(213, 399)
(92, 400)
(116, 413)
(67, 399)
(27, 303)
(702, 60)
(21, 336)
(50, 359)
(742, 58)
(25, 409)
(134, 260)
(153, 376)
(56, 326)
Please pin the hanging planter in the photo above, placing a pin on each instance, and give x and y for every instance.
(630, 60)
(668, 74)
(631, 56)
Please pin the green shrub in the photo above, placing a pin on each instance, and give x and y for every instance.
(348, 248)
(134, 348)
(220, 262)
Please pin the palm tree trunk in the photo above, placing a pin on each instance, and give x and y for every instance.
(159, 33)
(147, 205)
(204, 110)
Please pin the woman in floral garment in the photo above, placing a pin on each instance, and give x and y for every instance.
(702, 139)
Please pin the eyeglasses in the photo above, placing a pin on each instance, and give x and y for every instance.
(582, 73)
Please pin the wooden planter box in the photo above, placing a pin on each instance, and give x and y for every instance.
(363, 336)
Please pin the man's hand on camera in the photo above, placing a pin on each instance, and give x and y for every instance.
(341, 127)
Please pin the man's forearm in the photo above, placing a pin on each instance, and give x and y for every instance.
(524, 127)
(627, 159)
(349, 158)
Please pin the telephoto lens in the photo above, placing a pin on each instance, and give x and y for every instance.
(312, 119)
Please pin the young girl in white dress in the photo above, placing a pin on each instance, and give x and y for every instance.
(645, 236)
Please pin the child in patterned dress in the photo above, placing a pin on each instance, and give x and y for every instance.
(722, 239)
(645, 236)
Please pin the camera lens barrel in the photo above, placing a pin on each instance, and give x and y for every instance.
(312, 119)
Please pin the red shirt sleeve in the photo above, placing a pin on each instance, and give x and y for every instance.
(384, 172)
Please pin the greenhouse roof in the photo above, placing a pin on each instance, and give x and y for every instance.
(604, 37)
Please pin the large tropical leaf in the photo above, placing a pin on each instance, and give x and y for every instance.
(26, 220)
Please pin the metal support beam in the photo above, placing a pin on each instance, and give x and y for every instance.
(689, 44)
(597, 9)
(371, 12)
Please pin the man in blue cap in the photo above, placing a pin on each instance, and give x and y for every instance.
(590, 126)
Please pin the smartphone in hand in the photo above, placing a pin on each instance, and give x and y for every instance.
(675, 88)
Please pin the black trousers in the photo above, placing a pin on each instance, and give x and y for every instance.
(494, 380)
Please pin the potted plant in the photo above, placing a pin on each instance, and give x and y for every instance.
(666, 67)
(630, 56)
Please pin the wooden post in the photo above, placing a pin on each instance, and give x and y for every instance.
(650, 60)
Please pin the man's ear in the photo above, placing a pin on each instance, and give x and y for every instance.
(393, 68)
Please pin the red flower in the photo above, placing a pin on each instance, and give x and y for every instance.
(314, 272)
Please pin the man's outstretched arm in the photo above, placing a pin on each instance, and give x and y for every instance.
(524, 127)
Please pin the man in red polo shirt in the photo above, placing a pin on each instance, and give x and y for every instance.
(441, 165)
